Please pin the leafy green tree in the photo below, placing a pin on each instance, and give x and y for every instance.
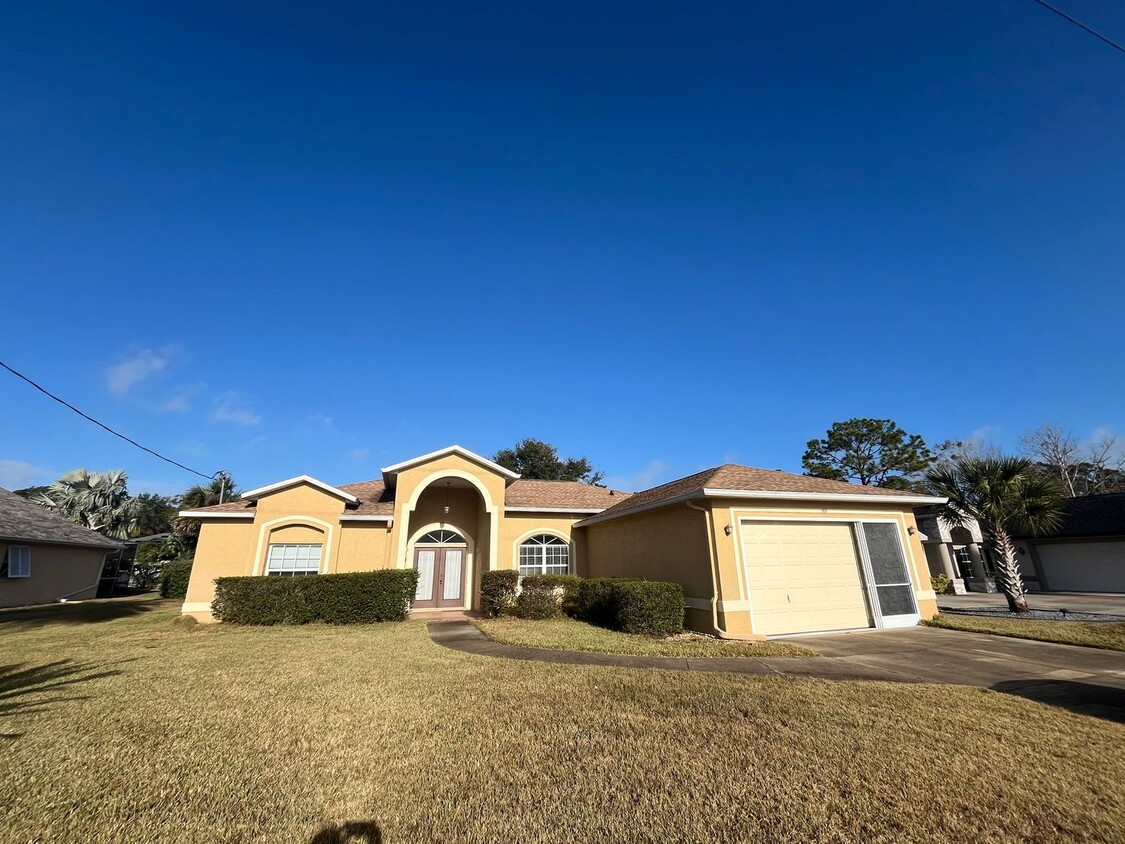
(1003, 494)
(96, 500)
(154, 514)
(538, 460)
(873, 452)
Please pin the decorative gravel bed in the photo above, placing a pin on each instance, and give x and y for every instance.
(1034, 615)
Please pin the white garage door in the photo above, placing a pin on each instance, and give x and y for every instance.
(803, 577)
(1084, 566)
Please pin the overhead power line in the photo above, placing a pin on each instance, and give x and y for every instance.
(1081, 25)
(86, 416)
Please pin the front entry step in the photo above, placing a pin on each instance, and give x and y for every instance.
(443, 615)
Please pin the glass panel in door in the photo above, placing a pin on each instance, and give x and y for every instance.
(893, 588)
(424, 560)
(451, 589)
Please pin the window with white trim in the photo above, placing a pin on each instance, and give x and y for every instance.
(19, 561)
(291, 560)
(544, 554)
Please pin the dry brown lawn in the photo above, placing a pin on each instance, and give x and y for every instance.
(566, 634)
(1109, 635)
(136, 729)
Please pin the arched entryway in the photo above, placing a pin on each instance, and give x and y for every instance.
(447, 540)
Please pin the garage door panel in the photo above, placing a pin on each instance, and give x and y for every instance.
(1084, 566)
(803, 577)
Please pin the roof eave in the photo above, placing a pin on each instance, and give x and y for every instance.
(392, 471)
(255, 494)
(711, 492)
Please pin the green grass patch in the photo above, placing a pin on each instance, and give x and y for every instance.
(566, 634)
(1109, 635)
(126, 726)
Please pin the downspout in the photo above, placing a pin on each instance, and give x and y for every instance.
(713, 552)
(62, 599)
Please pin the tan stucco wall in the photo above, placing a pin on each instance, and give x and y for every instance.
(304, 513)
(56, 570)
(733, 587)
(670, 543)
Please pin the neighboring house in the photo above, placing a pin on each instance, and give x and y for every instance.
(958, 552)
(757, 552)
(44, 557)
(1086, 553)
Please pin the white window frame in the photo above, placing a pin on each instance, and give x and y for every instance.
(270, 571)
(25, 568)
(541, 566)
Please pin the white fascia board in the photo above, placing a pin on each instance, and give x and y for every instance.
(851, 498)
(221, 514)
(300, 479)
(589, 510)
(706, 492)
(360, 518)
(452, 449)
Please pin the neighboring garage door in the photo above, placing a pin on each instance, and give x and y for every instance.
(1083, 566)
(803, 577)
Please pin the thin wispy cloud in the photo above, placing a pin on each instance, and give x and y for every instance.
(647, 477)
(358, 454)
(320, 421)
(231, 406)
(193, 449)
(123, 376)
(15, 474)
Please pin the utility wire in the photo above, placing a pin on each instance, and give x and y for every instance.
(157, 454)
(1081, 25)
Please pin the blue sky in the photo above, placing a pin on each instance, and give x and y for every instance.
(281, 239)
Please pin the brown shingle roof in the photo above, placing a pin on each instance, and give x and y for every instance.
(743, 478)
(23, 519)
(531, 493)
(376, 500)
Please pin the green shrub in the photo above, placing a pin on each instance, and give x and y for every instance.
(632, 606)
(941, 584)
(538, 599)
(353, 598)
(174, 577)
(564, 588)
(649, 607)
(498, 592)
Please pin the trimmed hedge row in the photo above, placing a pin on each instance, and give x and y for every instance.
(174, 577)
(633, 606)
(353, 598)
(652, 608)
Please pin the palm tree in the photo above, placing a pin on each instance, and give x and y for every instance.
(220, 490)
(97, 500)
(1003, 494)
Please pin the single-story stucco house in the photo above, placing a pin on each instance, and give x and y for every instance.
(1085, 554)
(758, 552)
(45, 558)
(957, 551)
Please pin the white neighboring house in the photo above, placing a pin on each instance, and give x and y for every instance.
(960, 553)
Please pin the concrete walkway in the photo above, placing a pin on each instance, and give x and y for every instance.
(465, 637)
(1085, 680)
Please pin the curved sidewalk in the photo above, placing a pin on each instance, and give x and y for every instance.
(465, 637)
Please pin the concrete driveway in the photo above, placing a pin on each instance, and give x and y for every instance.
(1107, 603)
(1086, 680)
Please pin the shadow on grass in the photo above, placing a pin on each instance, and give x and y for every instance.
(352, 832)
(22, 686)
(83, 612)
(1083, 698)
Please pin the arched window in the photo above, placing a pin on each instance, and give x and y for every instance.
(544, 554)
(442, 537)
